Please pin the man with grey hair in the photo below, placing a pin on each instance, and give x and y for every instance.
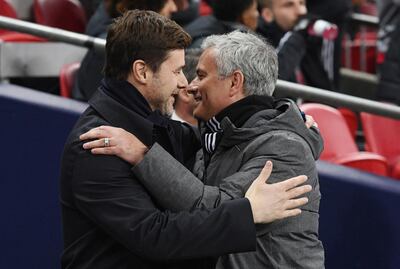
(242, 127)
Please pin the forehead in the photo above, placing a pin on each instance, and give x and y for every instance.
(283, 2)
(175, 58)
(207, 59)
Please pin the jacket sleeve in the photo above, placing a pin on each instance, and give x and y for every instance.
(105, 190)
(176, 188)
(173, 185)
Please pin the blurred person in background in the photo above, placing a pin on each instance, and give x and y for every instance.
(90, 73)
(336, 12)
(188, 11)
(388, 51)
(184, 101)
(90, 6)
(304, 56)
(228, 15)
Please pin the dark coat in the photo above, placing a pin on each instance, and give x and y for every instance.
(279, 135)
(297, 51)
(389, 83)
(111, 221)
(205, 26)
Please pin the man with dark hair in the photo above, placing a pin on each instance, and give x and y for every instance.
(90, 73)
(304, 57)
(184, 101)
(109, 219)
(228, 15)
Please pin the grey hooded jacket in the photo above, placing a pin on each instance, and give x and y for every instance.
(279, 135)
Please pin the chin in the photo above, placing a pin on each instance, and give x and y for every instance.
(198, 116)
(167, 113)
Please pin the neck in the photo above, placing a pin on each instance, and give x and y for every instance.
(141, 89)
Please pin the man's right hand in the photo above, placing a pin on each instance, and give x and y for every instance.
(270, 202)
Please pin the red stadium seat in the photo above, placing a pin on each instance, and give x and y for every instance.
(339, 145)
(360, 54)
(369, 9)
(65, 14)
(7, 10)
(67, 78)
(351, 120)
(381, 136)
(20, 37)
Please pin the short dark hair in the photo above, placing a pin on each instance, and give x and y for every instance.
(230, 10)
(153, 5)
(144, 35)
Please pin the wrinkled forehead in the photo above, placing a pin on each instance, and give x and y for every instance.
(207, 58)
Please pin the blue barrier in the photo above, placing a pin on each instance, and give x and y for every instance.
(359, 219)
(359, 223)
(34, 127)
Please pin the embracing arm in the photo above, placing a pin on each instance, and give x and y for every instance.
(105, 192)
(176, 188)
(172, 184)
(278, 199)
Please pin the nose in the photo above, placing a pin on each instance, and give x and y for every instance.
(193, 87)
(182, 81)
(301, 10)
(173, 7)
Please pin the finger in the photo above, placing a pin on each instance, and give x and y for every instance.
(265, 172)
(309, 121)
(291, 213)
(295, 203)
(296, 192)
(95, 133)
(96, 144)
(104, 151)
(293, 182)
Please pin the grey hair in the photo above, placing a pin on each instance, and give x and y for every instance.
(249, 53)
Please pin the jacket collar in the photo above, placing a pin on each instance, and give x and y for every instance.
(285, 116)
(130, 113)
(271, 31)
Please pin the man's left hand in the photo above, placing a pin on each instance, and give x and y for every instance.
(109, 140)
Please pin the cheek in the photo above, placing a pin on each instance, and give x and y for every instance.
(254, 21)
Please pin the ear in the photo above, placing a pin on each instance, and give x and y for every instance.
(237, 84)
(140, 71)
(267, 14)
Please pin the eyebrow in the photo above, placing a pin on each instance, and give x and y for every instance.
(199, 70)
(180, 67)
